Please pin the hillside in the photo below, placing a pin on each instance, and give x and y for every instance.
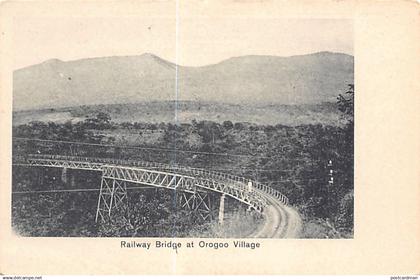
(305, 79)
(164, 111)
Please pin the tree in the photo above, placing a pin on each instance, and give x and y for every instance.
(101, 121)
(345, 164)
(346, 104)
(227, 125)
(103, 118)
(239, 126)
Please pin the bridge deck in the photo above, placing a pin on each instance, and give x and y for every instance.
(90, 163)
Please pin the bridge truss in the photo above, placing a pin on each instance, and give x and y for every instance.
(193, 185)
(113, 190)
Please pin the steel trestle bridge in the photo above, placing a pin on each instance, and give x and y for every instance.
(193, 184)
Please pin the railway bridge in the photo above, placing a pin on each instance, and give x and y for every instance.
(193, 185)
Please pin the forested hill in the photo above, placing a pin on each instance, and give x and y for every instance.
(304, 79)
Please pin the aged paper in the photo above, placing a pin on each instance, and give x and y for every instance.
(238, 73)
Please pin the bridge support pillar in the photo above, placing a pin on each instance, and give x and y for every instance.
(199, 202)
(222, 209)
(72, 179)
(64, 175)
(112, 196)
(41, 176)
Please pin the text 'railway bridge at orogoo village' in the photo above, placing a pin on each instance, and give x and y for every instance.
(192, 184)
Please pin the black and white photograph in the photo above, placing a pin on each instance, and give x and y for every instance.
(143, 127)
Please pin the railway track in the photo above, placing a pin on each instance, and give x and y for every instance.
(281, 221)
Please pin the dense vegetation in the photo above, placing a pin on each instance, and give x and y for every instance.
(292, 159)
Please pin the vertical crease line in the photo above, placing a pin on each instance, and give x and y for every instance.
(174, 266)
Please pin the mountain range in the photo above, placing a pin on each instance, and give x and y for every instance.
(304, 79)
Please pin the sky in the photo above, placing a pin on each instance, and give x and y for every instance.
(189, 42)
